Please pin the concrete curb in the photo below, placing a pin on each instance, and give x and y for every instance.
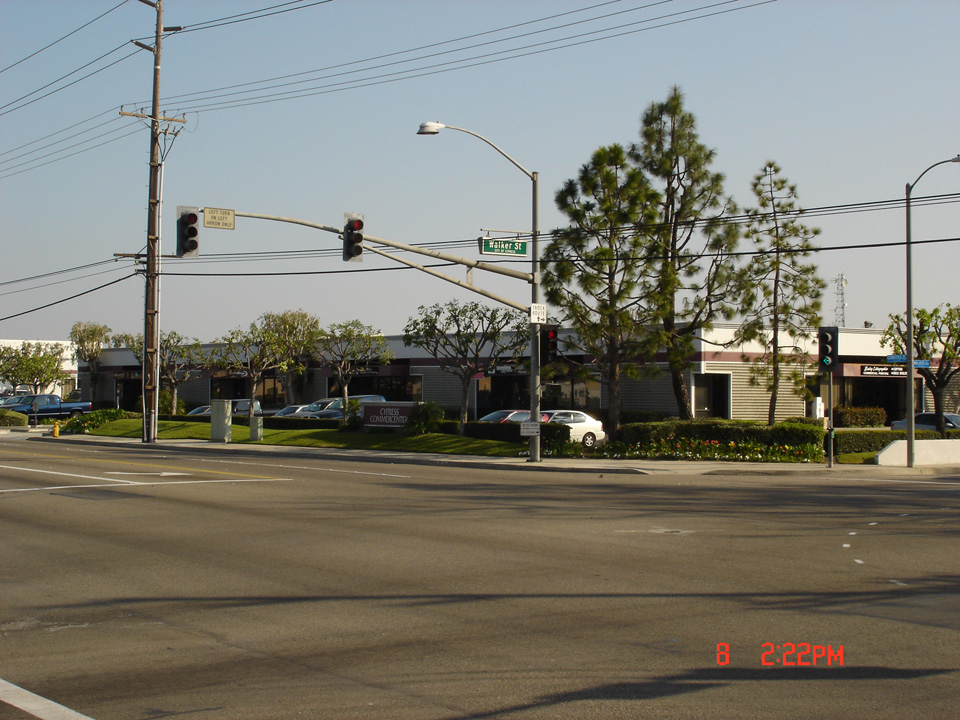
(566, 465)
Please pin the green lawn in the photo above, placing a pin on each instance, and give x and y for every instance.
(433, 443)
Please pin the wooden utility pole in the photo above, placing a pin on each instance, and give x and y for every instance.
(151, 319)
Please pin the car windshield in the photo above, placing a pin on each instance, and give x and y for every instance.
(497, 416)
(321, 405)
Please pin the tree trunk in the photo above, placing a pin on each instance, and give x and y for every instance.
(464, 403)
(613, 401)
(682, 393)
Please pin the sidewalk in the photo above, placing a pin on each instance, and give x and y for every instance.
(583, 465)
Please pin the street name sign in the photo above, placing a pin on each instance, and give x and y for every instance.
(218, 218)
(896, 358)
(495, 246)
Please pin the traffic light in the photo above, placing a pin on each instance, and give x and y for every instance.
(352, 238)
(829, 353)
(188, 231)
(549, 336)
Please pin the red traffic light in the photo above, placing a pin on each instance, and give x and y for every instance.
(188, 231)
(354, 225)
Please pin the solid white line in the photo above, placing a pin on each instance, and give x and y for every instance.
(303, 467)
(35, 705)
(146, 484)
(73, 475)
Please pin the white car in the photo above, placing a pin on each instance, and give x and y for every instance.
(583, 428)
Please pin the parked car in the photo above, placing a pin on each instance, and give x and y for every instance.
(288, 410)
(499, 416)
(332, 407)
(583, 428)
(47, 406)
(237, 407)
(928, 421)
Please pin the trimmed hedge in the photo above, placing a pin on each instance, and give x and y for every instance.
(724, 431)
(853, 441)
(270, 422)
(551, 434)
(859, 417)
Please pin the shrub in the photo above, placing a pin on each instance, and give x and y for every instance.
(424, 418)
(164, 399)
(9, 418)
(859, 416)
(805, 421)
(719, 440)
(550, 433)
(91, 421)
(852, 441)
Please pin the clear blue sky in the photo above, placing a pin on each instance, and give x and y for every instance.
(852, 98)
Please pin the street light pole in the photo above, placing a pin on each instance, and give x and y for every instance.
(911, 411)
(434, 128)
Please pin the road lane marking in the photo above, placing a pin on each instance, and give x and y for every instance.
(65, 474)
(35, 705)
(311, 469)
(152, 474)
(112, 484)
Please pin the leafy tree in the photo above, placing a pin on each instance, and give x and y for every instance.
(295, 333)
(180, 359)
(590, 268)
(347, 348)
(89, 339)
(690, 278)
(468, 339)
(936, 337)
(253, 351)
(783, 292)
(34, 364)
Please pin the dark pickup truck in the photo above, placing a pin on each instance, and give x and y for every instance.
(46, 406)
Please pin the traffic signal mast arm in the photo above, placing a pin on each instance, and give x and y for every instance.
(509, 272)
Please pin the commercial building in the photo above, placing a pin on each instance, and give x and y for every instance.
(718, 381)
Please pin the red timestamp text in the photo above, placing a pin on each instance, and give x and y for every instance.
(790, 654)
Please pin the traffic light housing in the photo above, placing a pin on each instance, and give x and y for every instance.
(352, 239)
(188, 231)
(829, 352)
(549, 337)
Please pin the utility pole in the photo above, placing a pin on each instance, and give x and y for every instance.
(151, 319)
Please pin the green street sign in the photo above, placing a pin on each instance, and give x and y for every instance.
(494, 246)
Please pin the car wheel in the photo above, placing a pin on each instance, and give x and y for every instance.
(589, 440)
(76, 413)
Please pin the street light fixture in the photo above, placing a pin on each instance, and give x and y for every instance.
(911, 424)
(434, 128)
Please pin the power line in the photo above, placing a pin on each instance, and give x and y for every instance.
(407, 52)
(67, 299)
(462, 63)
(74, 32)
(442, 67)
(58, 272)
(241, 17)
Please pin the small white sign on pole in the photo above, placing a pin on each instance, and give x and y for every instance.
(538, 314)
(529, 429)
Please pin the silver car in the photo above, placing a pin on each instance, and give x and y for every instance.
(928, 421)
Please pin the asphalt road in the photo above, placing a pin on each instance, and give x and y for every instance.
(142, 583)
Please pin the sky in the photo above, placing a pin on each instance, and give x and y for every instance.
(852, 98)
